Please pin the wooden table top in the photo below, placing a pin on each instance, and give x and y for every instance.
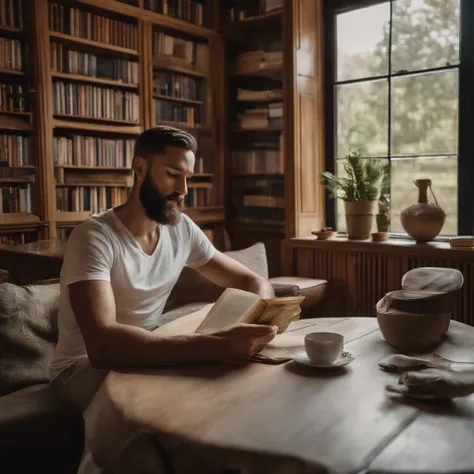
(307, 420)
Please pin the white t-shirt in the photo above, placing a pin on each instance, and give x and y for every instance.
(102, 248)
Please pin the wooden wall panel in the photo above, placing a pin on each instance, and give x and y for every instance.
(359, 279)
(304, 115)
(43, 105)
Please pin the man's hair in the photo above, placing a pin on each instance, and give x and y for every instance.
(154, 141)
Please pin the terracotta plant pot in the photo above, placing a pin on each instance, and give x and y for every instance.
(359, 219)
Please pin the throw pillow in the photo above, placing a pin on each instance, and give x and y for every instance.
(28, 334)
(192, 286)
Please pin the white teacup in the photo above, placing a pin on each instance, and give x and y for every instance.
(323, 347)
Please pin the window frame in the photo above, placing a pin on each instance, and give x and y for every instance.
(465, 106)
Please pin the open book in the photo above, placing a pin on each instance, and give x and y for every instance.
(238, 306)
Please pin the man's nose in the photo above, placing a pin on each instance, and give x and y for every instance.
(182, 186)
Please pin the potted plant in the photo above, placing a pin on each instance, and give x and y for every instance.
(359, 190)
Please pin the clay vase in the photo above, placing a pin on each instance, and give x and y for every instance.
(423, 221)
(359, 218)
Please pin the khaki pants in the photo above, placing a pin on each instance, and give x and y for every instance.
(78, 384)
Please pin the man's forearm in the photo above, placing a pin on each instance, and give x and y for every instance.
(260, 286)
(128, 346)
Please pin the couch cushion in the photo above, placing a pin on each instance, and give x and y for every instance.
(28, 334)
(253, 257)
(39, 432)
(192, 286)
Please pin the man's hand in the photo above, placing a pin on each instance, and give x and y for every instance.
(245, 340)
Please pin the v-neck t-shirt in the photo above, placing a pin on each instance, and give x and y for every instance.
(102, 248)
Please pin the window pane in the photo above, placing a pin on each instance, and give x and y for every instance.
(340, 210)
(362, 118)
(363, 42)
(443, 174)
(425, 34)
(425, 114)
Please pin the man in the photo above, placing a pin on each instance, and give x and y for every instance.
(119, 269)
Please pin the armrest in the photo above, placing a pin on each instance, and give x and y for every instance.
(312, 289)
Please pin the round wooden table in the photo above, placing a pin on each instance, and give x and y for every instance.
(289, 418)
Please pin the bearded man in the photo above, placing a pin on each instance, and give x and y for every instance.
(118, 271)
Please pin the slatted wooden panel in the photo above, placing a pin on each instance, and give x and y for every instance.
(357, 280)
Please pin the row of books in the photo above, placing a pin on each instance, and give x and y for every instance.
(16, 198)
(186, 10)
(175, 85)
(11, 54)
(260, 7)
(11, 13)
(198, 197)
(89, 198)
(13, 98)
(169, 111)
(82, 150)
(257, 161)
(83, 24)
(86, 64)
(262, 117)
(95, 102)
(15, 150)
(18, 238)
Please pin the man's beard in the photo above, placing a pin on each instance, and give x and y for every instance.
(158, 206)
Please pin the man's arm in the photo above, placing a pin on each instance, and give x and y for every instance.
(112, 345)
(228, 273)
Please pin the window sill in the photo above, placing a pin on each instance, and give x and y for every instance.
(391, 246)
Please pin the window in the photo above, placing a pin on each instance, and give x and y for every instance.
(395, 94)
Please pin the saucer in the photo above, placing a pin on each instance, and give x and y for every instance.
(344, 359)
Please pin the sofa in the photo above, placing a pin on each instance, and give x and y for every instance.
(38, 432)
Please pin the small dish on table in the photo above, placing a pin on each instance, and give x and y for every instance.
(326, 233)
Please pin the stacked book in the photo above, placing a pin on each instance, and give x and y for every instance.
(270, 116)
(252, 61)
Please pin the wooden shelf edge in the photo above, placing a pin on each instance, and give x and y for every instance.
(163, 62)
(54, 35)
(19, 218)
(93, 80)
(205, 215)
(13, 72)
(96, 127)
(98, 120)
(10, 29)
(177, 99)
(100, 168)
(153, 17)
(71, 216)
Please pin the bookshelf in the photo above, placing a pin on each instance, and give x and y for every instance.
(19, 214)
(275, 135)
(83, 81)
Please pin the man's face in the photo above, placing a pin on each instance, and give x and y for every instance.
(164, 187)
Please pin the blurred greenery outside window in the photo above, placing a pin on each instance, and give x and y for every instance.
(396, 98)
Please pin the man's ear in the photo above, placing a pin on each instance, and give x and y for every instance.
(139, 166)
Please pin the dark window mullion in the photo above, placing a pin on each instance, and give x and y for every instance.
(418, 72)
(466, 121)
(389, 136)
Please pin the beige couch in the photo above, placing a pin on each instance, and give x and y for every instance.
(38, 433)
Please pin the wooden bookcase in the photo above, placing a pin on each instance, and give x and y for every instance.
(95, 74)
(275, 133)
